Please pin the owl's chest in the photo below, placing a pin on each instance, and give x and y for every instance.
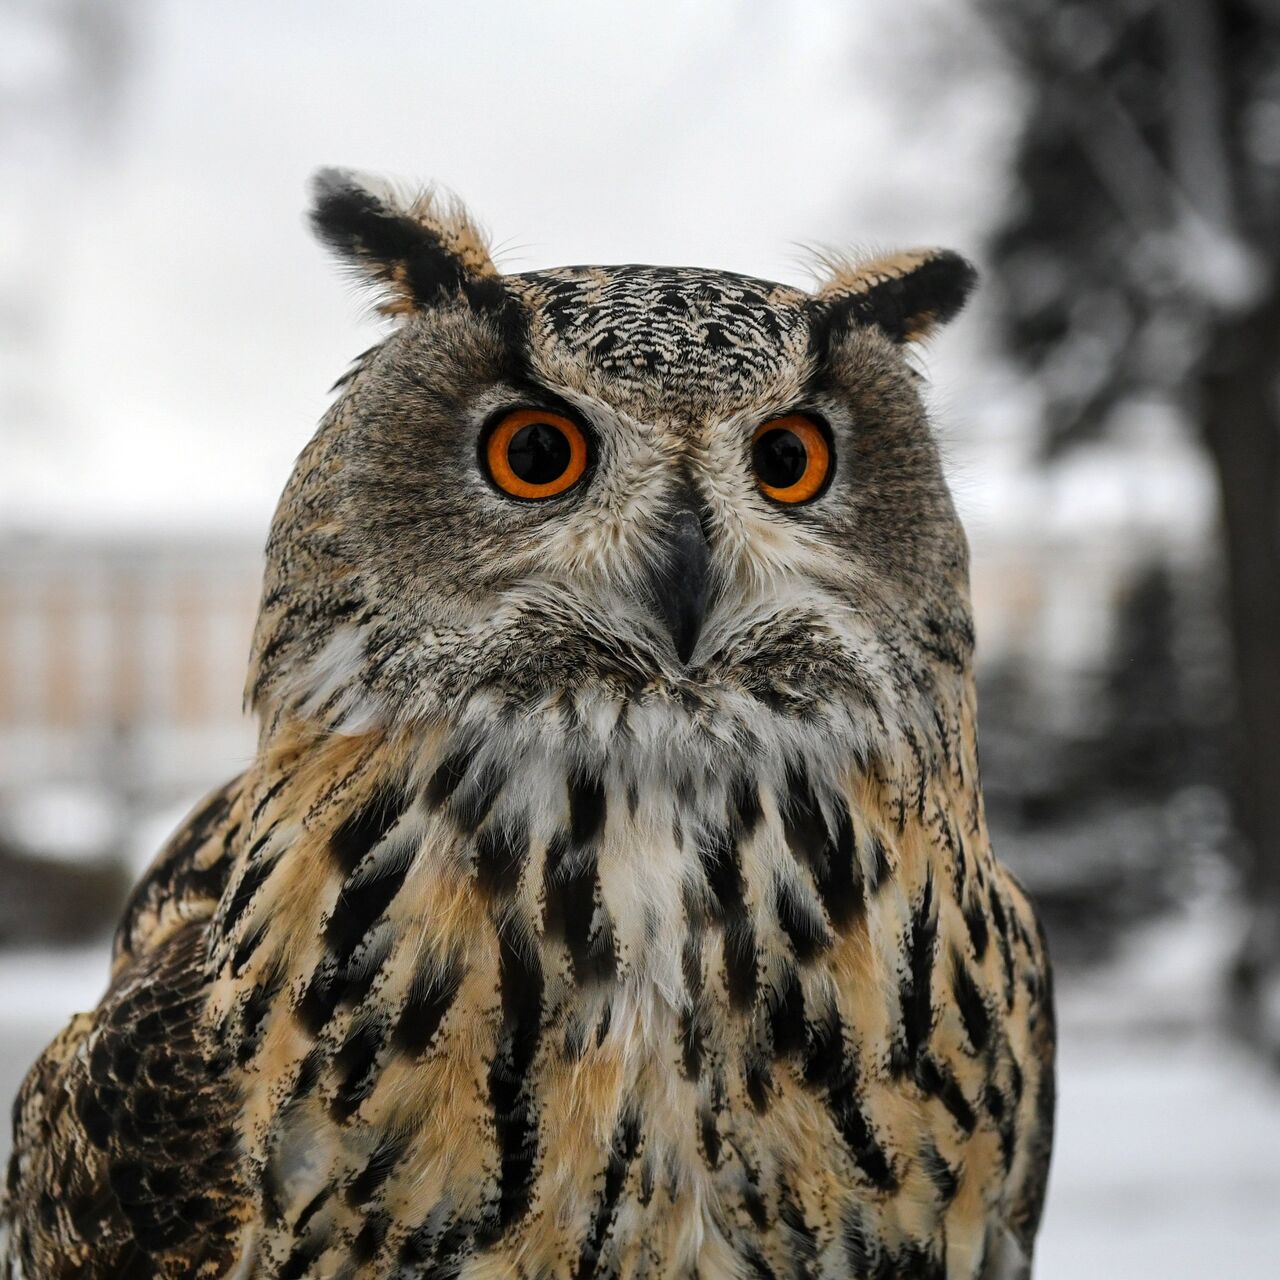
(662, 1044)
(599, 1129)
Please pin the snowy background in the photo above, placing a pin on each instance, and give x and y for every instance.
(168, 332)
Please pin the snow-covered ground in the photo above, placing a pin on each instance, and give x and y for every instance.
(1167, 1163)
(1167, 1160)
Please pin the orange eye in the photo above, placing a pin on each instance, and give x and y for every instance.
(792, 458)
(533, 454)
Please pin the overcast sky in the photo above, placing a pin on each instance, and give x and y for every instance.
(180, 328)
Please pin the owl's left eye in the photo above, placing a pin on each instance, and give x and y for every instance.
(533, 454)
(792, 458)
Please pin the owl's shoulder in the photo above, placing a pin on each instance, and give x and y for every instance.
(122, 1127)
(183, 884)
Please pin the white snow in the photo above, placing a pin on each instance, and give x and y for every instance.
(1167, 1159)
(1167, 1162)
(40, 989)
(68, 821)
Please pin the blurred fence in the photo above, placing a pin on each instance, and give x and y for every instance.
(122, 661)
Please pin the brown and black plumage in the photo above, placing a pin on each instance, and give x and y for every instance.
(611, 894)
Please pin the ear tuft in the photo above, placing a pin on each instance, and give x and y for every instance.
(907, 295)
(419, 250)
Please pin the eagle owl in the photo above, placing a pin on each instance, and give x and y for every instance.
(610, 894)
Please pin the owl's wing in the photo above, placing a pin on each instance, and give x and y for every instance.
(1031, 1173)
(124, 1157)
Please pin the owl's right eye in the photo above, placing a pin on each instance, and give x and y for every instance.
(533, 454)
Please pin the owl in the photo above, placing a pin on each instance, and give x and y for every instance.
(610, 894)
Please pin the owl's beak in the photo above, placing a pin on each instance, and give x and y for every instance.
(679, 580)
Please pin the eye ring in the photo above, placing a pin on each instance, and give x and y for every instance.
(534, 454)
(792, 458)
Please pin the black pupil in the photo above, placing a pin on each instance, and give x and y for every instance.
(780, 458)
(539, 453)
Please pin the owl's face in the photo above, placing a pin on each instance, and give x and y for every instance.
(613, 486)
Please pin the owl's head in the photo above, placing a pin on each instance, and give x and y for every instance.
(597, 493)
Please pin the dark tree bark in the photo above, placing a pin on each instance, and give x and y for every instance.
(1240, 408)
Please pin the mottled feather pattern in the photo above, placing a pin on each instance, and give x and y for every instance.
(524, 947)
(466, 939)
(125, 1161)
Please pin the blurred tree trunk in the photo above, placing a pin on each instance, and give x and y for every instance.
(1240, 420)
(1141, 262)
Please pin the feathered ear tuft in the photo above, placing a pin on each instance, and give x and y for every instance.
(906, 295)
(420, 251)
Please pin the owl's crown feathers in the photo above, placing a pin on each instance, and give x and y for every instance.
(421, 249)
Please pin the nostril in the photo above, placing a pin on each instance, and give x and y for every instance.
(687, 500)
(687, 527)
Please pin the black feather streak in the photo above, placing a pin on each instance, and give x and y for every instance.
(521, 984)
(623, 1151)
(720, 861)
(362, 830)
(364, 897)
(433, 991)
(970, 1002)
(500, 853)
(915, 992)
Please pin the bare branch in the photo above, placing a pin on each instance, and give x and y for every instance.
(1198, 133)
(1204, 246)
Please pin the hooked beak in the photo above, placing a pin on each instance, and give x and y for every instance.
(679, 580)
